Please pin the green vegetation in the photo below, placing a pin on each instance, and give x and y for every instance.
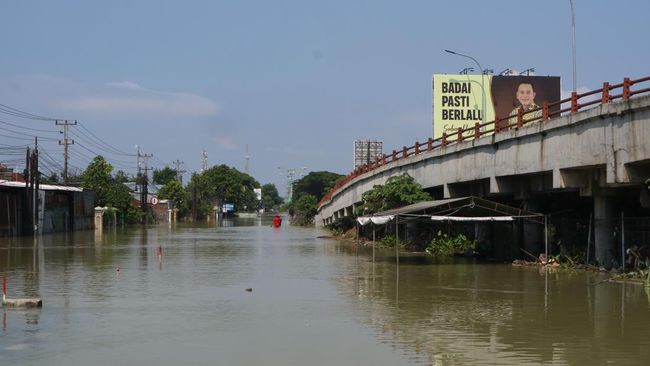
(307, 192)
(388, 241)
(217, 185)
(443, 245)
(270, 196)
(108, 191)
(398, 191)
(222, 184)
(175, 192)
(304, 210)
(164, 176)
(315, 184)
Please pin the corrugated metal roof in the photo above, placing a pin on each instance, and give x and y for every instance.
(43, 187)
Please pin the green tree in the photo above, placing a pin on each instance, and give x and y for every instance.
(315, 184)
(175, 192)
(122, 177)
(108, 191)
(51, 179)
(223, 184)
(270, 196)
(305, 208)
(164, 175)
(398, 191)
(97, 178)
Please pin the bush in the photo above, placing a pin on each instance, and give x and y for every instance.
(388, 241)
(443, 245)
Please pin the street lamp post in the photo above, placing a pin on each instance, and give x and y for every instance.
(482, 83)
(573, 45)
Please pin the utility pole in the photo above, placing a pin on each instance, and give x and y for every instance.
(292, 175)
(35, 184)
(144, 181)
(179, 172)
(27, 211)
(65, 144)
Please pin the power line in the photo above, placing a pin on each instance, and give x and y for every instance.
(22, 114)
(116, 150)
(27, 128)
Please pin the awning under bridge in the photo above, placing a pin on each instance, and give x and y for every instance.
(453, 209)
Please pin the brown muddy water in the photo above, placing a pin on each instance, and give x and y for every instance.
(314, 301)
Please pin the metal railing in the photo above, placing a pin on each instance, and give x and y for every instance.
(548, 110)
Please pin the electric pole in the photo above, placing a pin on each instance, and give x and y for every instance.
(35, 184)
(179, 172)
(65, 144)
(144, 181)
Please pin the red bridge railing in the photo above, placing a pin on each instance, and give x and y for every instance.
(608, 93)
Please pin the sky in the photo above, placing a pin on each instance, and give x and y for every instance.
(296, 82)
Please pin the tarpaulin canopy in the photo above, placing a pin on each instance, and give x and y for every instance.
(377, 220)
(462, 218)
(454, 209)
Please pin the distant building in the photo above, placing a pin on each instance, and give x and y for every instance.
(366, 151)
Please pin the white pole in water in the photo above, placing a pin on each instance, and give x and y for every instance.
(397, 239)
(373, 242)
(546, 237)
(623, 240)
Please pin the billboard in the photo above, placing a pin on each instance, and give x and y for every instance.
(366, 151)
(458, 99)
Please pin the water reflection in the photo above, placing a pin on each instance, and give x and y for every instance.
(475, 314)
(327, 301)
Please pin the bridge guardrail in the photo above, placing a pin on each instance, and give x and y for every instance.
(500, 124)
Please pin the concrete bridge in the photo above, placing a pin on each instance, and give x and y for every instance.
(600, 154)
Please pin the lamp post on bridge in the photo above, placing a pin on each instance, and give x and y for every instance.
(482, 83)
(573, 46)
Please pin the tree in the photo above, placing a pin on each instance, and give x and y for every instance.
(305, 208)
(122, 177)
(175, 192)
(398, 191)
(51, 179)
(270, 196)
(315, 184)
(97, 178)
(164, 175)
(223, 184)
(108, 191)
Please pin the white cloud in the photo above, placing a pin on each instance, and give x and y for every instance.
(125, 84)
(130, 97)
(225, 143)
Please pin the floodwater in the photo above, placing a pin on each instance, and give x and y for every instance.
(180, 298)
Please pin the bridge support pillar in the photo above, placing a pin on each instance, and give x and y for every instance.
(604, 228)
